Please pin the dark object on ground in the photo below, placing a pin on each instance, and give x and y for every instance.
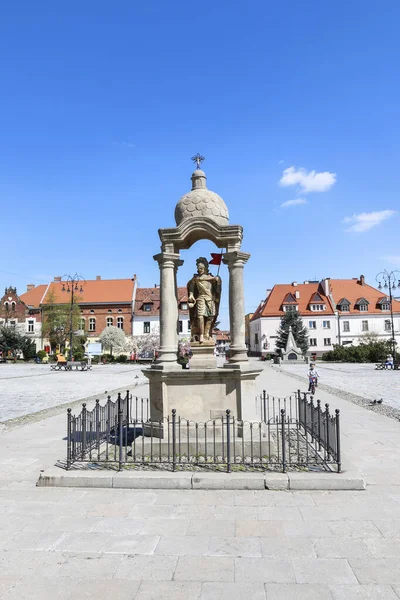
(377, 401)
(128, 435)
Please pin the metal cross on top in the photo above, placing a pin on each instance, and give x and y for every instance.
(198, 159)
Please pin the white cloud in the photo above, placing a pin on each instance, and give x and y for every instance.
(393, 260)
(308, 181)
(295, 202)
(365, 221)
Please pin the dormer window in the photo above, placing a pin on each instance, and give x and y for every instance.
(289, 303)
(290, 308)
(384, 304)
(343, 305)
(317, 307)
(184, 305)
(147, 306)
(362, 305)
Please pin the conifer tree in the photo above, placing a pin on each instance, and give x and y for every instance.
(292, 319)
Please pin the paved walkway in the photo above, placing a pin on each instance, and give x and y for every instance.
(187, 545)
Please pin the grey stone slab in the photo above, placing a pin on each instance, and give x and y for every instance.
(116, 525)
(211, 527)
(82, 542)
(33, 587)
(377, 570)
(89, 567)
(228, 481)
(132, 544)
(110, 509)
(34, 540)
(342, 548)
(143, 568)
(78, 524)
(169, 590)
(349, 480)
(183, 545)
(234, 546)
(150, 512)
(254, 498)
(196, 512)
(323, 570)
(232, 591)
(211, 568)
(259, 529)
(363, 592)
(104, 589)
(160, 526)
(56, 477)
(389, 528)
(152, 480)
(7, 582)
(235, 512)
(287, 548)
(263, 570)
(306, 529)
(278, 513)
(276, 481)
(290, 591)
(356, 529)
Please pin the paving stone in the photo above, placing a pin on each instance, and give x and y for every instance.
(264, 570)
(234, 546)
(287, 548)
(82, 542)
(306, 529)
(323, 570)
(167, 527)
(142, 568)
(259, 528)
(232, 591)
(213, 568)
(183, 545)
(33, 587)
(383, 548)
(389, 528)
(235, 512)
(341, 548)
(104, 589)
(278, 513)
(115, 525)
(289, 591)
(356, 529)
(168, 590)
(196, 512)
(89, 567)
(363, 592)
(376, 571)
(132, 544)
(150, 512)
(34, 541)
(211, 527)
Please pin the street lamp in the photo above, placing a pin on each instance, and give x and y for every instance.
(389, 278)
(73, 285)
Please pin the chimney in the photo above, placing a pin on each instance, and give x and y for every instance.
(269, 290)
(306, 282)
(294, 284)
(362, 280)
(57, 278)
(297, 294)
(98, 277)
(326, 286)
(30, 287)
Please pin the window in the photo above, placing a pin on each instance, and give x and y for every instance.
(109, 321)
(388, 325)
(313, 341)
(363, 307)
(327, 341)
(109, 310)
(120, 310)
(180, 326)
(256, 339)
(13, 323)
(346, 325)
(188, 325)
(146, 327)
(344, 307)
(290, 308)
(12, 306)
(82, 324)
(326, 324)
(92, 324)
(31, 326)
(385, 306)
(92, 312)
(317, 307)
(364, 325)
(120, 322)
(312, 324)
(184, 306)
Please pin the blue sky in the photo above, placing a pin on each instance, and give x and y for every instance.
(103, 104)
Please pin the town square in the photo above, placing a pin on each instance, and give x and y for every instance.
(200, 302)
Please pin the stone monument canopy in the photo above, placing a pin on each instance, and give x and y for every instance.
(201, 202)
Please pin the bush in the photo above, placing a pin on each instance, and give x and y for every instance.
(372, 352)
(41, 354)
(79, 355)
(107, 358)
(122, 358)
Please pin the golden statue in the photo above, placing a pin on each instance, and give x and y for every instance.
(204, 295)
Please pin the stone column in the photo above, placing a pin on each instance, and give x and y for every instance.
(168, 263)
(236, 261)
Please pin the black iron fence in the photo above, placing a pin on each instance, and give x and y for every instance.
(292, 433)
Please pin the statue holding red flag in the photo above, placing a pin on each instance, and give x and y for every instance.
(204, 296)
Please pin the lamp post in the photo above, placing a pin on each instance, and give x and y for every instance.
(73, 285)
(388, 278)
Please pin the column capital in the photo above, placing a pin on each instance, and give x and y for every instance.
(235, 258)
(167, 259)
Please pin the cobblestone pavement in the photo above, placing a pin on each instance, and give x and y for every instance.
(359, 379)
(26, 389)
(116, 544)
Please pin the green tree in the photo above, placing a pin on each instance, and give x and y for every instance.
(113, 339)
(56, 321)
(12, 343)
(292, 319)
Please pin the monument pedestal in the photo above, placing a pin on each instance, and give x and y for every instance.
(203, 394)
(203, 355)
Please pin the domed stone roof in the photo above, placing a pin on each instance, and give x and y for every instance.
(201, 202)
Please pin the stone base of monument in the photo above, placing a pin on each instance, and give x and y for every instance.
(203, 394)
(203, 355)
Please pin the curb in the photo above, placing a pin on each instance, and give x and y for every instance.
(155, 480)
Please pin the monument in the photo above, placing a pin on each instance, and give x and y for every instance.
(204, 391)
(292, 352)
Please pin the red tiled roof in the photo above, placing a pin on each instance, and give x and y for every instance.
(353, 291)
(94, 291)
(272, 307)
(152, 296)
(34, 296)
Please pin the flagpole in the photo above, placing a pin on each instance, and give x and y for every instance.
(219, 266)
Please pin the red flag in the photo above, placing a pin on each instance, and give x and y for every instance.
(216, 259)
